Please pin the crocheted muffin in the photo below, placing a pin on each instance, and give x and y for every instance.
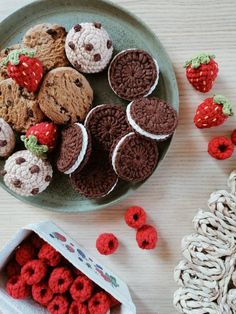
(26, 174)
(106, 123)
(134, 158)
(7, 139)
(152, 118)
(133, 73)
(88, 47)
(75, 149)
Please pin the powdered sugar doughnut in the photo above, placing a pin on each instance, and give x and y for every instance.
(7, 139)
(88, 47)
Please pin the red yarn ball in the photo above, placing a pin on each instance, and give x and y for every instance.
(81, 289)
(13, 269)
(135, 217)
(34, 271)
(220, 147)
(25, 253)
(107, 243)
(60, 280)
(49, 255)
(17, 288)
(233, 137)
(99, 303)
(78, 308)
(41, 293)
(147, 237)
(58, 305)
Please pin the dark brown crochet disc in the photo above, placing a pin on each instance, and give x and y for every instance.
(136, 158)
(106, 123)
(97, 178)
(154, 115)
(132, 74)
(70, 148)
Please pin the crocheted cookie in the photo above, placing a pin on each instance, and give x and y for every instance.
(134, 158)
(65, 96)
(26, 174)
(152, 117)
(106, 123)
(89, 47)
(7, 139)
(18, 107)
(97, 178)
(133, 73)
(48, 41)
(75, 149)
(3, 54)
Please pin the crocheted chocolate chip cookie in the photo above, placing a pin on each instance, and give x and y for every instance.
(134, 158)
(3, 54)
(48, 41)
(65, 96)
(7, 139)
(18, 107)
(106, 123)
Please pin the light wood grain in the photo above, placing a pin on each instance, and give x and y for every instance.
(187, 176)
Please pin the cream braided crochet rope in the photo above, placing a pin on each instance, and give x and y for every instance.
(207, 275)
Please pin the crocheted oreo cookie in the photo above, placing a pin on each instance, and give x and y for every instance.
(75, 149)
(106, 123)
(133, 73)
(134, 158)
(7, 139)
(97, 179)
(88, 47)
(26, 174)
(152, 118)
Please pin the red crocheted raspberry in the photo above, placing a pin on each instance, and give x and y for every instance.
(58, 305)
(99, 303)
(34, 271)
(60, 280)
(107, 243)
(113, 301)
(25, 253)
(17, 288)
(36, 241)
(49, 255)
(78, 308)
(135, 217)
(13, 268)
(146, 237)
(233, 137)
(41, 293)
(81, 289)
(220, 147)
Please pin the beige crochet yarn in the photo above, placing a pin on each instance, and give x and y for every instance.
(207, 275)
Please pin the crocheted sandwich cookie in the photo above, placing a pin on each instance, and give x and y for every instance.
(152, 118)
(7, 139)
(134, 158)
(89, 47)
(146, 237)
(201, 72)
(220, 147)
(65, 96)
(97, 178)
(106, 123)
(75, 149)
(133, 73)
(26, 174)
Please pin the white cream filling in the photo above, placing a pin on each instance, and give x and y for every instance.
(90, 112)
(111, 191)
(83, 150)
(139, 130)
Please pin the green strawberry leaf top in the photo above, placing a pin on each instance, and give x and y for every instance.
(14, 56)
(202, 58)
(227, 107)
(32, 145)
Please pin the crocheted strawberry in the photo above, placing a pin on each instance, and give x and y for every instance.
(212, 112)
(201, 72)
(23, 68)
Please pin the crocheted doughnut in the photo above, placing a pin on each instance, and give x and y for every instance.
(7, 139)
(81, 289)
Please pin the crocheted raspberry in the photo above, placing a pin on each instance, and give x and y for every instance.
(41, 293)
(33, 271)
(49, 255)
(135, 217)
(99, 303)
(146, 237)
(78, 308)
(25, 253)
(220, 147)
(17, 288)
(36, 241)
(59, 305)
(107, 243)
(60, 279)
(233, 137)
(81, 289)
(13, 268)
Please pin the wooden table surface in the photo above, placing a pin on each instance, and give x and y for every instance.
(187, 176)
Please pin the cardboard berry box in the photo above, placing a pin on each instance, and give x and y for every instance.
(76, 255)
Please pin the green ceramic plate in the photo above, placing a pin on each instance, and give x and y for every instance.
(127, 31)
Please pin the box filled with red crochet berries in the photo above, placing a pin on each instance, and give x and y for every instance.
(43, 270)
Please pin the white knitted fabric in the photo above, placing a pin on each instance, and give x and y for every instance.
(207, 275)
